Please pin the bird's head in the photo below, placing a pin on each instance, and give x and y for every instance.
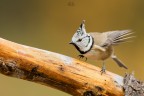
(82, 40)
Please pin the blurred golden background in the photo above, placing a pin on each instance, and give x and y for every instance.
(50, 24)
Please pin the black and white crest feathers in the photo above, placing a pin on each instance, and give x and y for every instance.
(81, 30)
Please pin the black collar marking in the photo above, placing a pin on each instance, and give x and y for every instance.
(84, 52)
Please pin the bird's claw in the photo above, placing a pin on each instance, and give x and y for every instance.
(103, 70)
(81, 56)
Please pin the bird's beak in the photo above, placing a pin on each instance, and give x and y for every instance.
(71, 42)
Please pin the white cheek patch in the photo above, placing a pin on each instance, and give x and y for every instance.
(77, 36)
(85, 41)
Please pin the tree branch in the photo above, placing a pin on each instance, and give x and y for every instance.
(58, 71)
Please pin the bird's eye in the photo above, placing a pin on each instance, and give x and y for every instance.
(79, 40)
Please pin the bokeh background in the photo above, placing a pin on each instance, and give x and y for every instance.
(50, 24)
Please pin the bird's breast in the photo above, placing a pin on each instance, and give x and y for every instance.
(97, 54)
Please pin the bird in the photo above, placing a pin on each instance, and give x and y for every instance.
(99, 46)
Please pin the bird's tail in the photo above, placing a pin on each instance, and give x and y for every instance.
(120, 63)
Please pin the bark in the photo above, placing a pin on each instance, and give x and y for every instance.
(132, 86)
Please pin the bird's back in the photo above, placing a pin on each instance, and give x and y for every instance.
(99, 38)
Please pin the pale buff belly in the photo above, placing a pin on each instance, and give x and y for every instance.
(99, 55)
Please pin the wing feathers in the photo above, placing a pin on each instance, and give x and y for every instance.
(123, 39)
(124, 35)
(117, 37)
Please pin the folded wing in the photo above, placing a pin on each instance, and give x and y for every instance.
(111, 37)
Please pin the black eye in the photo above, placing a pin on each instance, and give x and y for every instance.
(79, 40)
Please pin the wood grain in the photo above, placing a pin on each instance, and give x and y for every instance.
(58, 71)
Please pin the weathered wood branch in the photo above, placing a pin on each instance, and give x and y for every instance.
(132, 86)
(58, 71)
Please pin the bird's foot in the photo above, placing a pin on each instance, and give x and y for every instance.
(82, 56)
(103, 70)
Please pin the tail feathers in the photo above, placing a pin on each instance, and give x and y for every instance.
(119, 62)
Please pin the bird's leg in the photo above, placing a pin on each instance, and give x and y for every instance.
(103, 70)
(82, 56)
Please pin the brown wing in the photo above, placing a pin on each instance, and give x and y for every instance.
(111, 37)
